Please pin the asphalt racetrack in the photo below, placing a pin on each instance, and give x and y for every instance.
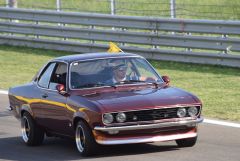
(215, 143)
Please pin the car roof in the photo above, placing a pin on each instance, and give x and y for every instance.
(87, 56)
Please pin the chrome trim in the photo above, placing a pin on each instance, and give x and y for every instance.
(25, 128)
(146, 139)
(156, 108)
(150, 126)
(80, 138)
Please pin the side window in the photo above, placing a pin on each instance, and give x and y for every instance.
(46, 75)
(59, 76)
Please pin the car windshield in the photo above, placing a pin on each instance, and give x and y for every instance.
(111, 72)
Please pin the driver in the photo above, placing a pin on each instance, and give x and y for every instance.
(119, 73)
(119, 70)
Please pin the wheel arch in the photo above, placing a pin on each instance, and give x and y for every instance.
(26, 108)
(77, 119)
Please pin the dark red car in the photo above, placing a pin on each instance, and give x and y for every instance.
(107, 99)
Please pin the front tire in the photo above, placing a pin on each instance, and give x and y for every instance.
(32, 134)
(189, 142)
(85, 141)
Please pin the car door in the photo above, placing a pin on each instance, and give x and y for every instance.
(53, 113)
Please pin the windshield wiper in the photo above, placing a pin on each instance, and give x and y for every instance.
(156, 84)
(130, 81)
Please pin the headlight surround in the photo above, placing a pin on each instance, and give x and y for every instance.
(107, 118)
(182, 112)
(121, 117)
(192, 111)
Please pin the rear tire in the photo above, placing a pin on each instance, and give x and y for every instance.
(189, 142)
(32, 134)
(85, 141)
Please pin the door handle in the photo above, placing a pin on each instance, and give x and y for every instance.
(44, 95)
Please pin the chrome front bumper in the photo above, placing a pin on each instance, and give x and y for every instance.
(149, 126)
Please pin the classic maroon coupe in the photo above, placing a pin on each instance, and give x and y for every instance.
(107, 99)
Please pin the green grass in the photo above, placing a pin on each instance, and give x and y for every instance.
(193, 9)
(218, 87)
(18, 65)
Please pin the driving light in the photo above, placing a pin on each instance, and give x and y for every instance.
(121, 117)
(181, 112)
(107, 118)
(192, 111)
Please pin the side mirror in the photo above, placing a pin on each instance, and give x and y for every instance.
(166, 79)
(61, 88)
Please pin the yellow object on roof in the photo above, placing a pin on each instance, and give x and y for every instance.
(113, 48)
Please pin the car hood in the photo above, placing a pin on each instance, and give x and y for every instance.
(142, 99)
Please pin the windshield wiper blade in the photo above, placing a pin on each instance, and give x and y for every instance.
(156, 84)
(130, 81)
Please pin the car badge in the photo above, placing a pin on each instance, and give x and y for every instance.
(134, 118)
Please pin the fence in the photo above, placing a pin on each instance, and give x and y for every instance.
(195, 41)
(192, 9)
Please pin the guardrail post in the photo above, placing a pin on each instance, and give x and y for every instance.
(173, 8)
(12, 3)
(6, 1)
(155, 32)
(228, 49)
(189, 49)
(113, 11)
(58, 5)
(112, 5)
(59, 8)
(92, 27)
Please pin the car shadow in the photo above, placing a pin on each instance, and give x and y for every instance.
(13, 148)
(133, 149)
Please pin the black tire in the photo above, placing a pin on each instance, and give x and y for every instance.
(189, 142)
(84, 139)
(32, 134)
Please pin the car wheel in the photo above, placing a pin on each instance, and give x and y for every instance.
(189, 142)
(32, 134)
(85, 141)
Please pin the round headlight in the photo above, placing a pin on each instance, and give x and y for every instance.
(181, 112)
(192, 111)
(107, 118)
(121, 117)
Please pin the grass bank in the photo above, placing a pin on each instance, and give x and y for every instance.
(218, 87)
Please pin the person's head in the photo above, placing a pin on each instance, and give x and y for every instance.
(120, 72)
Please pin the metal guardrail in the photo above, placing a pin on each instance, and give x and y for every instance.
(211, 43)
(195, 41)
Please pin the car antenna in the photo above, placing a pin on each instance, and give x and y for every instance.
(113, 48)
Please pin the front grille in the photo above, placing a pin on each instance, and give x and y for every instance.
(152, 114)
